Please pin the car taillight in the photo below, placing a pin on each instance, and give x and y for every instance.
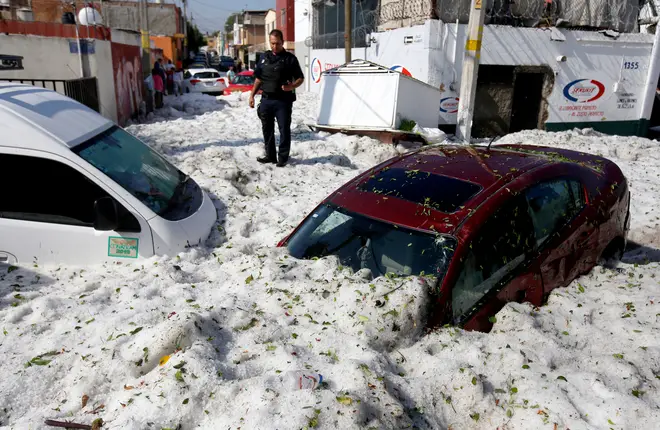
(195, 81)
(220, 80)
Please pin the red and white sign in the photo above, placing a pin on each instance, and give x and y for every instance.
(584, 90)
(449, 105)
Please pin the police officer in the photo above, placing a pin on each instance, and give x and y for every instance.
(278, 74)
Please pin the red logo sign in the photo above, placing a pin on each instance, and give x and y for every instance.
(584, 90)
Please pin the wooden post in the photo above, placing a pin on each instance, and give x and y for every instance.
(348, 29)
(471, 58)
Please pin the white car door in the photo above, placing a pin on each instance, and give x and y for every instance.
(53, 211)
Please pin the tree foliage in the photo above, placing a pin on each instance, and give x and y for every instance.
(229, 24)
(195, 38)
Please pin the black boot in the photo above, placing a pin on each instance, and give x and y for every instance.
(265, 160)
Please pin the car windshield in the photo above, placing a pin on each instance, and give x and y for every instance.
(142, 172)
(363, 243)
(243, 80)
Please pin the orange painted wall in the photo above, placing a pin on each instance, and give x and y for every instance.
(169, 47)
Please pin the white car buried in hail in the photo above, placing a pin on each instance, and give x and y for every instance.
(207, 81)
(84, 191)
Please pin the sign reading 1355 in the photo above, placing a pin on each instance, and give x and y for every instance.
(631, 65)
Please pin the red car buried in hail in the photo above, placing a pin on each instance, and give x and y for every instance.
(241, 83)
(489, 225)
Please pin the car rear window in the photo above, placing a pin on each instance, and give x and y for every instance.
(438, 192)
(207, 75)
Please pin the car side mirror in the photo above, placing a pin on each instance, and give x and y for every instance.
(106, 216)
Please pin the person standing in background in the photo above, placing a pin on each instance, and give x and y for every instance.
(278, 74)
(158, 88)
(231, 74)
(178, 82)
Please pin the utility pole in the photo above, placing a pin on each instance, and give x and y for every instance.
(471, 59)
(146, 50)
(146, 43)
(185, 29)
(348, 29)
(75, 15)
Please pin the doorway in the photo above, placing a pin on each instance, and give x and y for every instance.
(511, 99)
(527, 98)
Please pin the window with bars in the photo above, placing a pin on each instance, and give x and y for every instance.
(329, 24)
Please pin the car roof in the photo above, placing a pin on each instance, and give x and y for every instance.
(460, 178)
(29, 113)
(246, 73)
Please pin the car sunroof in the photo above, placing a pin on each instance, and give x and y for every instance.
(438, 192)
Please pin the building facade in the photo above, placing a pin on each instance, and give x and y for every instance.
(271, 22)
(166, 22)
(553, 67)
(250, 37)
(286, 21)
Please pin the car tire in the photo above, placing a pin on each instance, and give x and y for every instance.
(187, 90)
(612, 254)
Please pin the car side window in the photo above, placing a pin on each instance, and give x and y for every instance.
(552, 205)
(43, 190)
(499, 247)
(187, 75)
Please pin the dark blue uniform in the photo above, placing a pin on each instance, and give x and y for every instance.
(275, 70)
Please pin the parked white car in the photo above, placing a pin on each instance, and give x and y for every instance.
(207, 81)
(79, 189)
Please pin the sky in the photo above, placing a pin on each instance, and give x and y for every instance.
(210, 15)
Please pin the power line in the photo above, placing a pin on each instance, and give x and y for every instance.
(213, 6)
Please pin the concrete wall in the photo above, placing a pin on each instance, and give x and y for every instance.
(124, 15)
(388, 50)
(125, 37)
(253, 34)
(254, 19)
(302, 23)
(50, 58)
(303, 28)
(101, 67)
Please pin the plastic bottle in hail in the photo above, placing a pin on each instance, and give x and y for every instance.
(300, 380)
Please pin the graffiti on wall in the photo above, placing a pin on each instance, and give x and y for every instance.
(127, 72)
